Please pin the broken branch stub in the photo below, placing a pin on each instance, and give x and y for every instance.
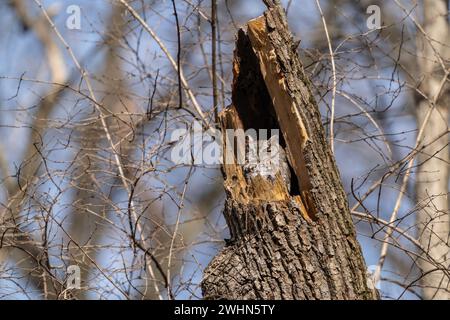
(292, 236)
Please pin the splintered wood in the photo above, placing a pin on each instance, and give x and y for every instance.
(287, 120)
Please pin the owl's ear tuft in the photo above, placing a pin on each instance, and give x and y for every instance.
(296, 44)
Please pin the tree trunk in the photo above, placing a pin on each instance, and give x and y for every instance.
(433, 161)
(292, 236)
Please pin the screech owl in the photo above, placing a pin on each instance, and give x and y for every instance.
(270, 159)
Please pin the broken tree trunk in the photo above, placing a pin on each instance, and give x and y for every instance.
(290, 239)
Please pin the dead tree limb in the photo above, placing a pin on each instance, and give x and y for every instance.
(290, 239)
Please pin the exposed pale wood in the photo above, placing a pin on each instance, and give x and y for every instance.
(291, 124)
(287, 242)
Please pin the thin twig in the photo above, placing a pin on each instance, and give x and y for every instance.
(177, 22)
(155, 37)
(104, 125)
(398, 202)
(177, 223)
(333, 98)
(214, 59)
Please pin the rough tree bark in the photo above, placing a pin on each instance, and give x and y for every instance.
(289, 239)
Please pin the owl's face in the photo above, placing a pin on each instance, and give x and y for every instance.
(266, 158)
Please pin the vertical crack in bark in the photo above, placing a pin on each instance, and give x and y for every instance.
(291, 238)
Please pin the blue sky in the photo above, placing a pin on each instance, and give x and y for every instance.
(22, 53)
